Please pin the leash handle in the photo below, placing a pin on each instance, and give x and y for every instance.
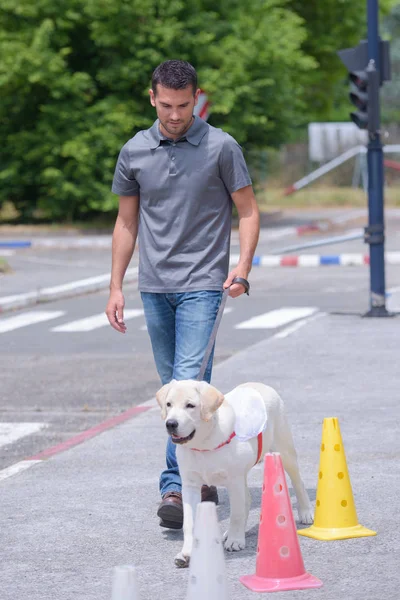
(218, 318)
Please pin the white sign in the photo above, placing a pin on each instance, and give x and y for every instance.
(328, 140)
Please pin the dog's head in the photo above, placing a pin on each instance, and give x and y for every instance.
(185, 405)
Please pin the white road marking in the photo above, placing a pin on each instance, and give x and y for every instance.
(293, 328)
(18, 467)
(5, 252)
(28, 318)
(95, 322)
(11, 432)
(277, 318)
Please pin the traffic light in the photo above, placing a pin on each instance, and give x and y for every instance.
(365, 80)
(359, 97)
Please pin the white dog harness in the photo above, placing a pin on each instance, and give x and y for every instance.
(251, 417)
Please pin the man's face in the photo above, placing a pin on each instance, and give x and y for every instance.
(174, 109)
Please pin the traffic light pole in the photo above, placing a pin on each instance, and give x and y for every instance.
(374, 233)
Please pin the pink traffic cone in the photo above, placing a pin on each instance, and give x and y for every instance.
(279, 564)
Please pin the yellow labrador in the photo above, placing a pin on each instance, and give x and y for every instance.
(204, 423)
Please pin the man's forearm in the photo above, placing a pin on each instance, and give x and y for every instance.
(123, 245)
(249, 229)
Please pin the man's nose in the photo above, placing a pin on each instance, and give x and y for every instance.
(171, 425)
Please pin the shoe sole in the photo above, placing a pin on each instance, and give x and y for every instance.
(170, 525)
(171, 516)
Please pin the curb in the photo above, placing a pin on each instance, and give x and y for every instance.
(101, 282)
(67, 290)
(317, 260)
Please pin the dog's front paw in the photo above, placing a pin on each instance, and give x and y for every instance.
(234, 543)
(182, 560)
(306, 516)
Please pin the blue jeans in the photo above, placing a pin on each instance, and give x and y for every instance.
(179, 326)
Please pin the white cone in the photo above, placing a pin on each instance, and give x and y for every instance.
(125, 586)
(207, 575)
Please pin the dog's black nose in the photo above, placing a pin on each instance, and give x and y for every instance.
(171, 425)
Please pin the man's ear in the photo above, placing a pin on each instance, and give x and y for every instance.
(210, 400)
(161, 397)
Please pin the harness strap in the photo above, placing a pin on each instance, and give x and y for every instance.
(260, 445)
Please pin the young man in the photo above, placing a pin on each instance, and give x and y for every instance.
(176, 182)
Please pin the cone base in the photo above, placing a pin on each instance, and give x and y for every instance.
(338, 533)
(264, 584)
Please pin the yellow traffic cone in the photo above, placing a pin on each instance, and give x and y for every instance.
(335, 515)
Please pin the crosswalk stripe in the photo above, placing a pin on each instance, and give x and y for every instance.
(29, 318)
(11, 432)
(276, 318)
(95, 322)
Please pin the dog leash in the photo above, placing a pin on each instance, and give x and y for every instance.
(220, 312)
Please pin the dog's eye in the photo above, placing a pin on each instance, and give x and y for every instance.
(168, 404)
(190, 405)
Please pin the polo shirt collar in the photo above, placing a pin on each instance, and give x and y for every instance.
(194, 134)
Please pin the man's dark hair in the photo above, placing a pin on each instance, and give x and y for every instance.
(175, 75)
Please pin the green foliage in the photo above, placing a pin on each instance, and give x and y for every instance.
(331, 25)
(74, 79)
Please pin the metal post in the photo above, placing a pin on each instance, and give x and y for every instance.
(374, 233)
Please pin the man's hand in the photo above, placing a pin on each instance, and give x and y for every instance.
(237, 289)
(115, 310)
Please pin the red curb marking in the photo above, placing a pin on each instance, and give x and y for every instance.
(289, 261)
(89, 433)
(366, 259)
(307, 228)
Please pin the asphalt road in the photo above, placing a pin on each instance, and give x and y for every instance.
(68, 381)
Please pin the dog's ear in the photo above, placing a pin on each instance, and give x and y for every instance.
(161, 397)
(210, 400)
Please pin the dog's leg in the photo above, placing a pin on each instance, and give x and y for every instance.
(234, 538)
(191, 497)
(248, 501)
(285, 446)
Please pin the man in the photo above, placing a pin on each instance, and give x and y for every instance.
(176, 182)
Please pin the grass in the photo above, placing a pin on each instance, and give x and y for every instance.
(321, 197)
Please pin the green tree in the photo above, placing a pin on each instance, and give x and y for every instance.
(74, 78)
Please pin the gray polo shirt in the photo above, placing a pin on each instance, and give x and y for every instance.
(185, 212)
